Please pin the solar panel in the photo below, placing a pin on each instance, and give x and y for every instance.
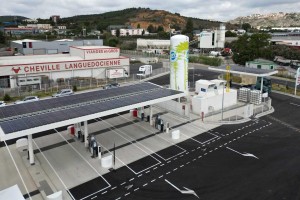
(31, 121)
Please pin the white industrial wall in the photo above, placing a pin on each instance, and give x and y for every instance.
(175, 107)
(76, 52)
(202, 104)
(206, 40)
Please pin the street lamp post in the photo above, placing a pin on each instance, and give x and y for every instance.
(222, 103)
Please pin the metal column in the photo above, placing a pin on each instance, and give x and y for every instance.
(151, 114)
(261, 84)
(86, 133)
(30, 150)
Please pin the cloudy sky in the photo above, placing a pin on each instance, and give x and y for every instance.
(205, 9)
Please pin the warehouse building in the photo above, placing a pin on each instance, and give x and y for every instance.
(97, 62)
(38, 47)
(212, 39)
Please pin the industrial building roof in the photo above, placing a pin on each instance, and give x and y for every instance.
(23, 60)
(235, 69)
(29, 118)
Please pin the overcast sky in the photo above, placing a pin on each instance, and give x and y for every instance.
(221, 10)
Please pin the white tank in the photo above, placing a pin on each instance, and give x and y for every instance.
(221, 38)
(179, 59)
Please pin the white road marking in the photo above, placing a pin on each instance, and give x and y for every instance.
(123, 183)
(186, 191)
(127, 194)
(169, 161)
(113, 188)
(161, 176)
(199, 156)
(153, 180)
(147, 172)
(154, 168)
(168, 172)
(94, 197)
(174, 169)
(140, 175)
(145, 184)
(243, 154)
(181, 166)
(188, 162)
(131, 179)
(118, 198)
(104, 192)
(136, 189)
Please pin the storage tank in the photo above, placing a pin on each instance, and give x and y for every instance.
(179, 58)
(221, 39)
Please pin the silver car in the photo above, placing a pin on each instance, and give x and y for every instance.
(28, 99)
(2, 104)
(63, 92)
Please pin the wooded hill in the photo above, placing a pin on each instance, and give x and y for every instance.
(139, 17)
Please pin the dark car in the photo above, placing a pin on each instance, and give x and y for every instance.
(112, 85)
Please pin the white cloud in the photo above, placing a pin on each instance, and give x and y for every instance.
(205, 9)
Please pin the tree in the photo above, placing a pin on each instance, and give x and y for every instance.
(246, 26)
(112, 42)
(2, 38)
(189, 27)
(151, 28)
(118, 32)
(248, 48)
(230, 34)
(160, 29)
(138, 26)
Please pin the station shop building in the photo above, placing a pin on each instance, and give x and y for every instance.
(97, 62)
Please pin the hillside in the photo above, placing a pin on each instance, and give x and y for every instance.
(270, 20)
(8, 18)
(142, 16)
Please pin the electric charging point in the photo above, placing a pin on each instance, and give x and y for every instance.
(99, 152)
(167, 127)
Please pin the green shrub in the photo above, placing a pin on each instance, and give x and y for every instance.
(6, 97)
(74, 88)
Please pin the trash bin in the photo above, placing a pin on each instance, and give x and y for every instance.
(142, 116)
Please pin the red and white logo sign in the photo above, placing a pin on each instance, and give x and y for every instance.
(16, 70)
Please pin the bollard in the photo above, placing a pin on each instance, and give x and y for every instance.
(167, 127)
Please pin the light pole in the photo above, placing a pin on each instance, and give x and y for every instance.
(222, 103)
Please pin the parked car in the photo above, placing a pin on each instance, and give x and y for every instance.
(112, 85)
(133, 59)
(28, 99)
(63, 92)
(2, 103)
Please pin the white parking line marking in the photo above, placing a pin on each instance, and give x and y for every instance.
(145, 184)
(127, 194)
(94, 197)
(147, 172)
(153, 180)
(169, 161)
(104, 192)
(131, 179)
(136, 189)
(162, 165)
(168, 172)
(161, 176)
(174, 169)
(118, 198)
(154, 168)
(199, 156)
(140, 175)
(188, 162)
(113, 188)
(181, 166)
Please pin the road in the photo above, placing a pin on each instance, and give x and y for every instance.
(217, 168)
